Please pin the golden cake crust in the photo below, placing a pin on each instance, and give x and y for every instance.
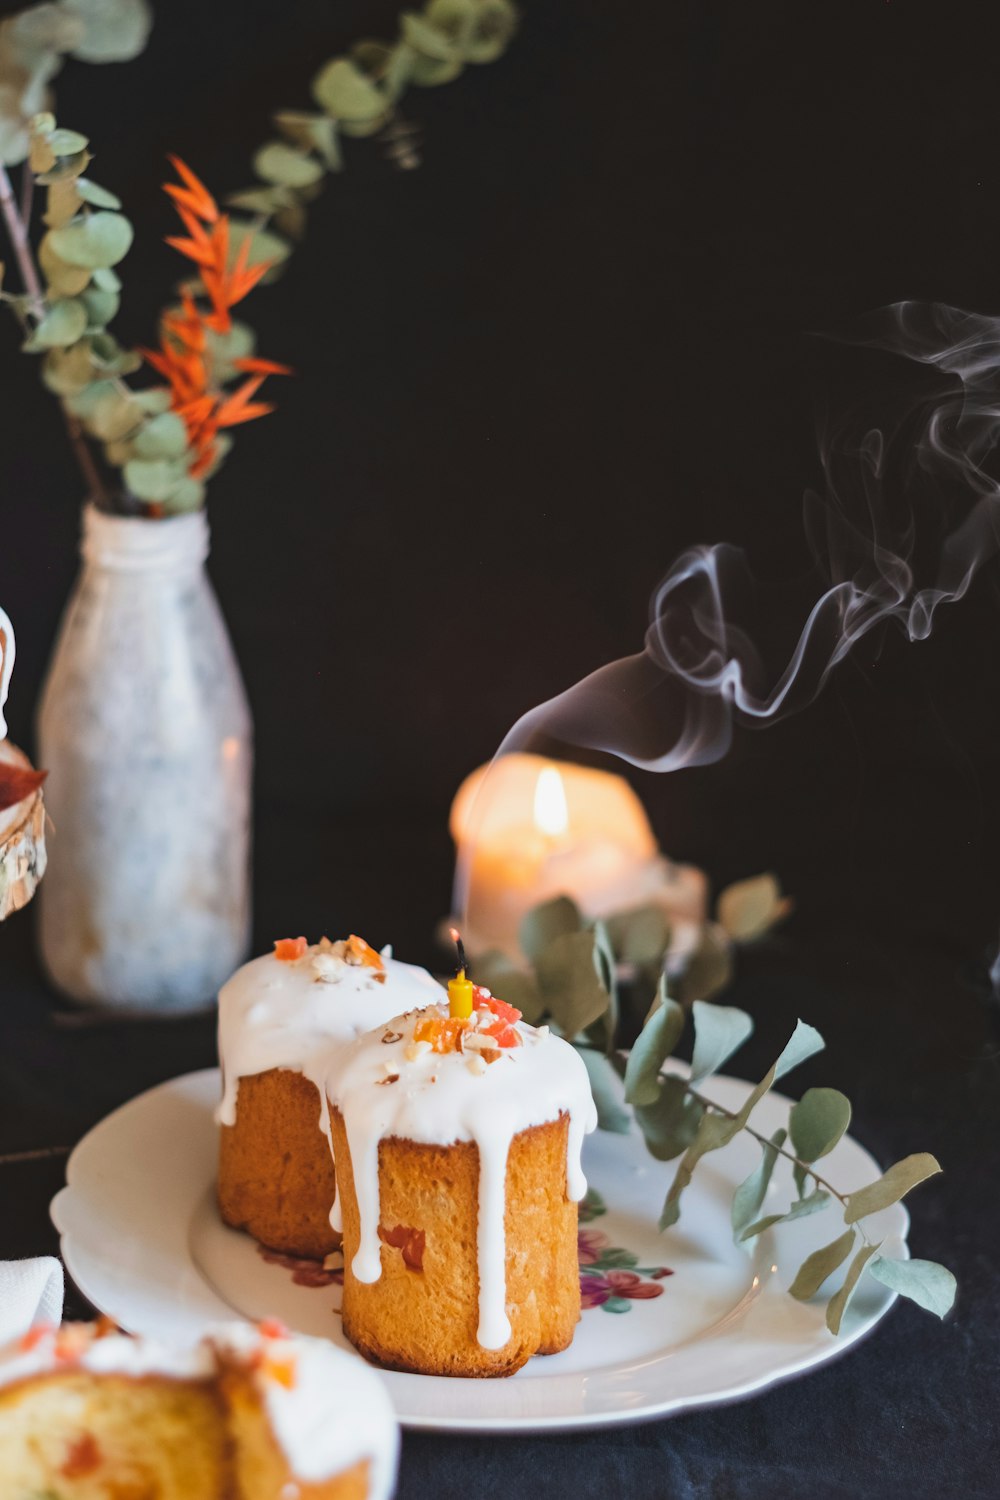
(81, 1435)
(276, 1176)
(422, 1314)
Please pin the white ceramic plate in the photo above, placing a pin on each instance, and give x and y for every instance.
(675, 1321)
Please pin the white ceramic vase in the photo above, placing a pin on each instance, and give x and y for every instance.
(146, 733)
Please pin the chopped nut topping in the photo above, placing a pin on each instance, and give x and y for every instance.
(392, 1078)
(475, 1063)
(392, 1036)
(328, 968)
(415, 1050)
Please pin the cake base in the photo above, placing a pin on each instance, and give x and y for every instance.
(422, 1315)
(276, 1177)
(22, 842)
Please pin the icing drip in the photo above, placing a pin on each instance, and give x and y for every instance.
(328, 1413)
(295, 1015)
(439, 1098)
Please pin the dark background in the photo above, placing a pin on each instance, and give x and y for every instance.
(575, 342)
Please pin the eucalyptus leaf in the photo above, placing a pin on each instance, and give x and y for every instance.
(719, 1031)
(640, 936)
(654, 1044)
(63, 279)
(106, 279)
(930, 1285)
(264, 246)
(891, 1186)
(344, 92)
(187, 496)
(66, 142)
(799, 1210)
(571, 982)
(604, 1030)
(804, 1042)
(429, 72)
(670, 1124)
(115, 415)
(750, 1194)
(606, 1089)
(747, 909)
(101, 306)
(819, 1265)
(837, 1305)
(498, 973)
(286, 165)
(65, 169)
(99, 239)
(114, 30)
(163, 436)
(62, 325)
(67, 371)
(709, 968)
(546, 922)
(318, 132)
(818, 1121)
(495, 24)
(154, 479)
(95, 195)
(64, 203)
(429, 40)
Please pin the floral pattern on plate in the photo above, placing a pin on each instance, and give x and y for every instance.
(610, 1276)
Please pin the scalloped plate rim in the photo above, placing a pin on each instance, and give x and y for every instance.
(81, 1263)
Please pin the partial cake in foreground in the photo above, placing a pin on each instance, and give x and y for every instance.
(457, 1144)
(247, 1414)
(282, 1020)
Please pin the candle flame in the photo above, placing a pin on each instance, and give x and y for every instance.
(551, 812)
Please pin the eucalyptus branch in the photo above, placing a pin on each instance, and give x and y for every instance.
(21, 245)
(805, 1167)
(572, 983)
(27, 195)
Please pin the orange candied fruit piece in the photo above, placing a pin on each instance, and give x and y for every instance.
(361, 952)
(281, 1371)
(272, 1328)
(485, 1000)
(290, 949)
(35, 1336)
(443, 1032)
(504, 1034)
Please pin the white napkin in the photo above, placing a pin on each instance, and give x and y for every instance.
(31, 1291)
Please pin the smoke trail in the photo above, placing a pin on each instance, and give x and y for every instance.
(906, 518)
(911, 497)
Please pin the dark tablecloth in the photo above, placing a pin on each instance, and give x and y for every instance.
(912, 1036)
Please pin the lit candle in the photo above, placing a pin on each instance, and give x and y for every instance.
(528, 829)
(460, 988)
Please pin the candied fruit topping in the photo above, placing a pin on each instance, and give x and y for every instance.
(410, 1241)
(445, 1033)
(35, 1336)
(360, 952)
(82, 1458)
(281, 1371)
(290, 950)
(503, 1034)
(504, 1012)
(272, 1328)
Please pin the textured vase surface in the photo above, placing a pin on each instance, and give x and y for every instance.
(146, 733)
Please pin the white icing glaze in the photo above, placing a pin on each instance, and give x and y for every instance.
(438, 1099)
(276, 1014)
(336, 1413)
(6, 665)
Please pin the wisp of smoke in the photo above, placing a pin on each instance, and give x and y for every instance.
(906, 518)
